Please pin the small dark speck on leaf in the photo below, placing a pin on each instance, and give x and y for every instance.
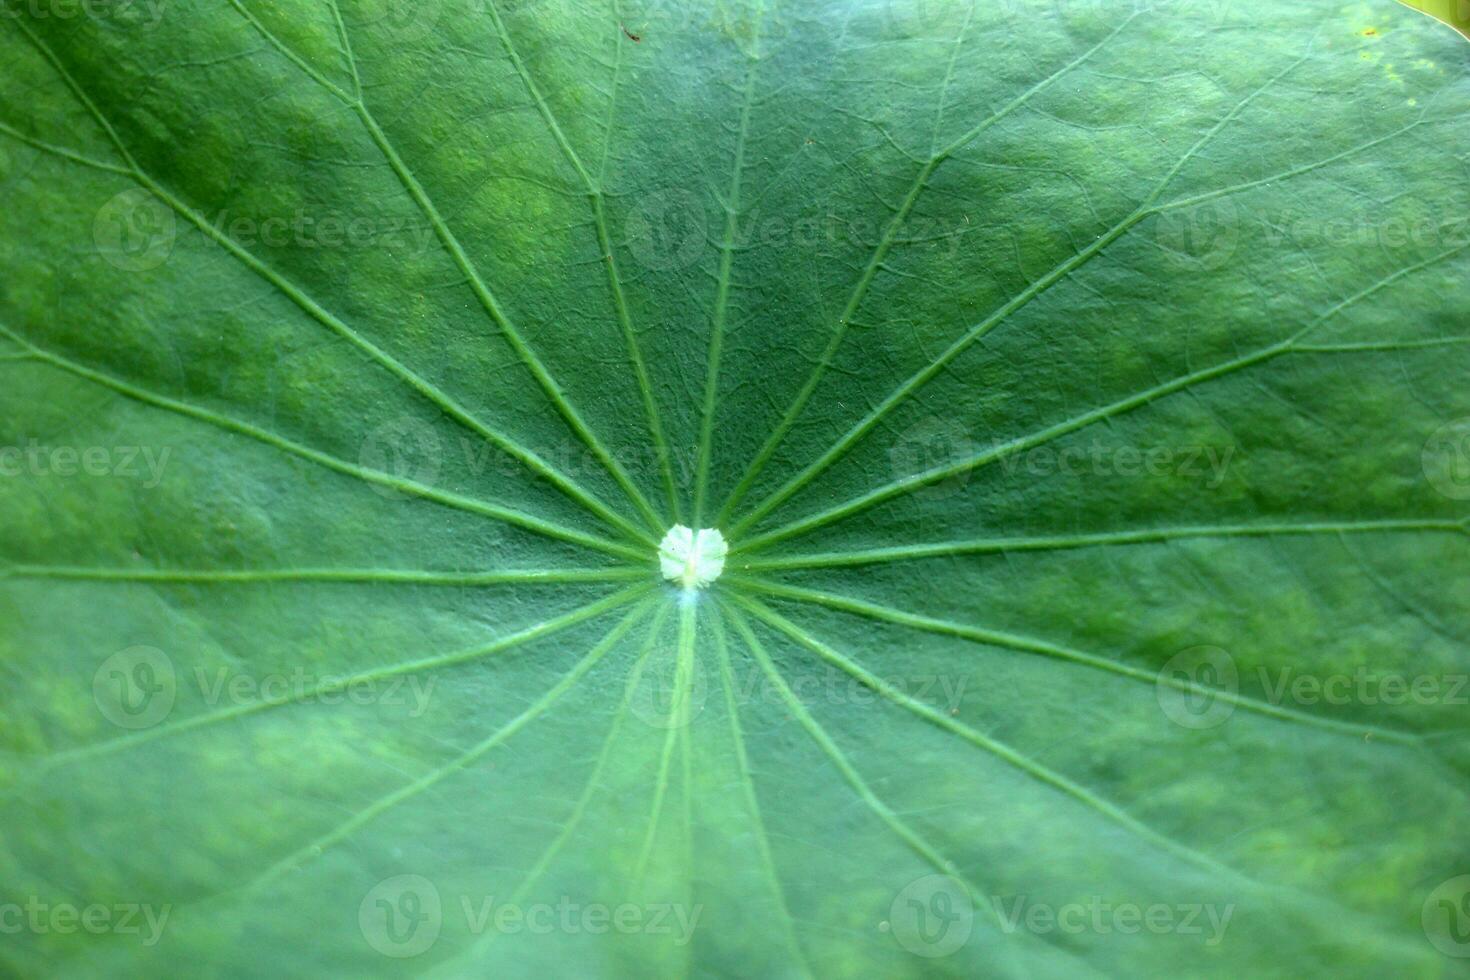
(635, 38)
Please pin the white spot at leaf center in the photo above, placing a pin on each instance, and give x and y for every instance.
(690, 559)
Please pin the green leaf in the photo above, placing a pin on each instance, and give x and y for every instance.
(1079, 387)
(1456, 13)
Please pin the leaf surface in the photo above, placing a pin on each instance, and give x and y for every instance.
(1079, 387)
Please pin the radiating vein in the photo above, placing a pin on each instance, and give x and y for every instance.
(798, 710)
(1266, 886)
(1021, 762)
(1026, 644)
(230, 424)
(896, 824)
(678, 721)
(595, 194)
(316, 311)
(916, 481)
(875, 265)
(1068, 542)
(335, 685)
(491, 304)
(927, 373)
(507, 327)
(579, 809)
(378, 807)
(752, 800)
(386, 576)
(731, 205)
(1180, 383)
(686, 785)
